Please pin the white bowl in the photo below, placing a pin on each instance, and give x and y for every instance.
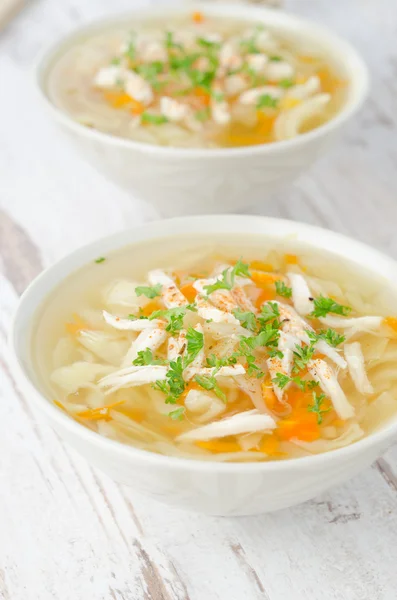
(190, 181)
(209, 487)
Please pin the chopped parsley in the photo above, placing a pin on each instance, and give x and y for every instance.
(302, 355)
(99, 260)
(332, 337)
(131, 50)
(209, 383)
(323, 306)
(115, 61)
(218, 363)
(286, 83)
(153, 119)
(195, 343)
(175, 385)
(149, 291)
(145, 357)
(177, 414)
(275, 58)
(203, 115)
(227, 279)
(282, 289)
(282, 380)
(174, 316)
(266, 101)
(316, 407)
(208, 44)
(247, 319)
(169, 41)
(269, 313)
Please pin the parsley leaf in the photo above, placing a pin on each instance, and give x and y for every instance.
(195, 343)
(130, 52)
(209, 382)
(286, 83)
(99, 260)
(217, 363)
(145, 357)
(269, 313)
(175, 385)
(332, 337)
(203, 115)
(302, 355)
(316, 407)
(149, 292)
(115, 61)
(177, 414)
(208, 44)
(323, 306)
(227, 279)
(247, 319)
(275, 58)
(266, 101)
(169, 41)
(281, 380)
(174, 316)
(282, 289)
(153, 119)
(252, 367)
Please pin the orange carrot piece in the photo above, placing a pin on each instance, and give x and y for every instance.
(267, 394)
(258, 265)
(261, 278)
(269, 445)
(59, 405)
(218, 446)
(198, 17)
(264, 296)
(291, 259)
(77, 325)
(391, 322)
(150, 307)
(99, 414)
(203, 96)
(189, 292)
(304, 428)
(123, 100)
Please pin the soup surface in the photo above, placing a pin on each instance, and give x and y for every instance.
(221, 349)
(197, 81)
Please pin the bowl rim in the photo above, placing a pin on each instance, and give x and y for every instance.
(359, 79)
(242, 224)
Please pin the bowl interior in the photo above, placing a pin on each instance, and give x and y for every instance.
(341, 55)
(38, 291)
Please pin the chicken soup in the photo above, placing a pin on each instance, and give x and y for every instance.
(217, 349)
(197, 82)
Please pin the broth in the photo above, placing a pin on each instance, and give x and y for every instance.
(225, 362)
(197, 82)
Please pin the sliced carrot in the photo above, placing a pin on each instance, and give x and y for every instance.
(258, 265)
(123, 100)
(261, 278)
(218, 446)
(307, 59)
(391, 322)
(329, 83)
(265, 123)
(189, 292)
(197, 17)
(99, 414)
(77, 325)
(59, 405)
(267, 394)
(264, 296)
(136, 414)
(204, 96)
(269, 445)
(338, 423)
(150, 307)
(291, 259)
(304, 428)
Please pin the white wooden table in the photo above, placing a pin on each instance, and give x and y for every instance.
(68, 532)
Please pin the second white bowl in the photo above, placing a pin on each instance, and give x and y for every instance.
(190, 181)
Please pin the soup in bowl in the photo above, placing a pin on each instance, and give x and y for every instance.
(249, 354)
(219, 99)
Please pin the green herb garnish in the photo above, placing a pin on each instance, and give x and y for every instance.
(246, 318)
(302, 355)
(149, 292)
(195, 343)
(99, 260)
(227, 279)
(332, 337)
(145, 357)
(175, 385)
(208, 44)
(209, 383)
(174, 316)
(266, 101)
(275, 58)
(282, 289)
(177, 414)
(153, 119)
(203, 115)
(323, 306)
(286, 83)
(316, 407)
